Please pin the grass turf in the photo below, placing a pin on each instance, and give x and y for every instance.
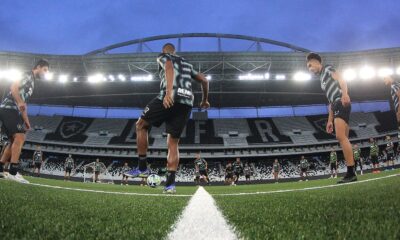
(369, 210)
(31, 212)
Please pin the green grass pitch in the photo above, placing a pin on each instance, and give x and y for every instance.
(366, 210)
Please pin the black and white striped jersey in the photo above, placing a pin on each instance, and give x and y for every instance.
(395, 87)
(329, 85)
(26, 87)
(183, 75)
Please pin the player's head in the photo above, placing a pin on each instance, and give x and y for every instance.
(126, 164)
(302, 157)
(197, 155)
(69, 155)
(388, 80)
(237, 159)
(276, 160)
(38, 147)
(355, 146)
(371, 140)
(97, 160)
(168, 48)
(314, 63)
(41, 68)
(388, 137)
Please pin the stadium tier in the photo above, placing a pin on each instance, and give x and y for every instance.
(218, 138)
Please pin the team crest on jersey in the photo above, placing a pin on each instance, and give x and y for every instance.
(72, 128)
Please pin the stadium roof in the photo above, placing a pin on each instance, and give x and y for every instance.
(254, 41)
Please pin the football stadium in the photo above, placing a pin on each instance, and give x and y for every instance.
(200, 135)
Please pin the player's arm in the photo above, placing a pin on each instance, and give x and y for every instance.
(20, 103)
(206, 165)
(398, 109)
(343, 87)
(169, 76)
(329, 124)
(199, 77)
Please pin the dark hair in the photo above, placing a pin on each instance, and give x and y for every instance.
(168, 45)
(315, 56)
(41, 63)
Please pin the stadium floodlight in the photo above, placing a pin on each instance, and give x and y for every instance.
(280, 77)
(208, 77)
(302, 77)
(111, 78)
(49, 76)
(96, 78)
(349, 74)
(121, 77)
(12, 75)
(367, 72)
(384, 72)
(75, 79)
(142, 78)
(254, 77)
(63, 78)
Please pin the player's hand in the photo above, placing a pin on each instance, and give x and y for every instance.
(346, 100)
(27, 126)
(22, 107)
(205, 104)
(398, 116)
(329, 127)
(168, 100)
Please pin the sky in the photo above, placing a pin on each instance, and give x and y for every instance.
(80, 26)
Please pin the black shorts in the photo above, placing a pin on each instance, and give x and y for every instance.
(247, 176)
(333, 166)
(229, 176)
(175, 118)
(203, 173)
(96, 172)
(38, 165)
(390, 156)
(68, 170)
(12, 122)
(340, 111)
(237, 174)
(304, 170)
(374, 159)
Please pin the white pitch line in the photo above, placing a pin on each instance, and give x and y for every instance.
(305, 189)
(201, 219)
(110, 192)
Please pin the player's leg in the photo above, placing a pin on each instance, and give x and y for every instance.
(172, 160)
(5, 157)
(18, 142)
(341, 129)
(142, 129)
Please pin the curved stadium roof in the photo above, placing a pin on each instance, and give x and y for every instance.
(224, 67)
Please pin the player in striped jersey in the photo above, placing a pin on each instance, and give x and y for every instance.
(333, 163)
(357, 158)
(335, 88)
(37, 159)
(173, 107)
(373, 155)
(389, 153)
(395, 92)
(276, 168)
(125, 169)
(14, 116)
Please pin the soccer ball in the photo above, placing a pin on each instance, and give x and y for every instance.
(153, 180)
